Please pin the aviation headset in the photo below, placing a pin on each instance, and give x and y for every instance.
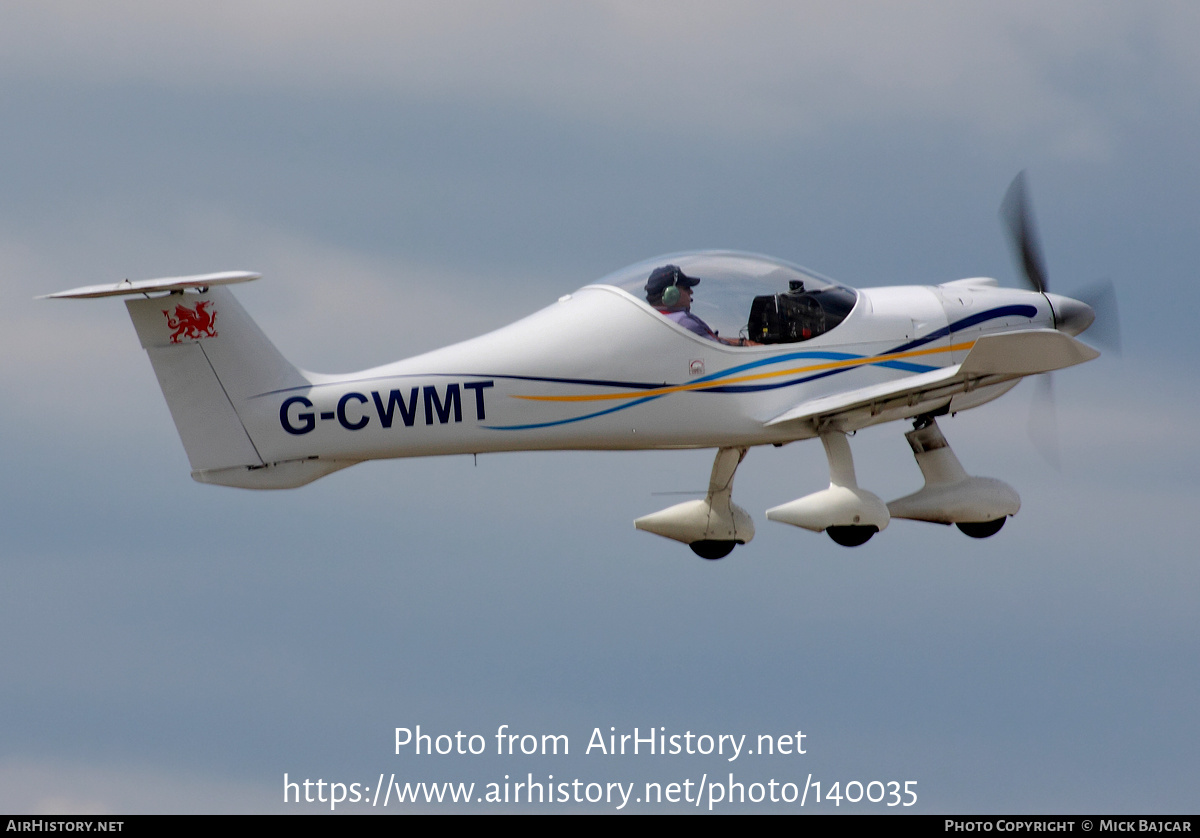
(670, 294)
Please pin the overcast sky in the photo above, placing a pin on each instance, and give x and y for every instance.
(407, 175)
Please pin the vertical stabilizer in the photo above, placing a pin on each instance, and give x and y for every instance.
(211, 358)
(213, 363)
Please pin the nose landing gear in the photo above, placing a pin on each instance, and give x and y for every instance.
(976, 505)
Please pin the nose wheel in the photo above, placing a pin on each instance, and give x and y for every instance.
(978, 506)
(981, 529)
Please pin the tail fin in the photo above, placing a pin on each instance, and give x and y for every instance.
(212, 360)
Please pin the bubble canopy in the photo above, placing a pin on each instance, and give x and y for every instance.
(744, 295)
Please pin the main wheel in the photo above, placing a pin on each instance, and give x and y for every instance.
(851, 536)
(712, 549)
(981, 529)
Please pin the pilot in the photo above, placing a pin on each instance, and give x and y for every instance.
(669, 290)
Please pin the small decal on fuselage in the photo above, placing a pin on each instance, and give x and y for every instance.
(399, 408)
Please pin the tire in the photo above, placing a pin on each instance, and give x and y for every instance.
(851, 536)
(981, 529)
(712, 549)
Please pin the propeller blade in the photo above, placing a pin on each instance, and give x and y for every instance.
(1043, 421)
(1018, 216)
(1105, 330)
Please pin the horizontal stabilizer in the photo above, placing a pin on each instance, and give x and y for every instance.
(145, 286)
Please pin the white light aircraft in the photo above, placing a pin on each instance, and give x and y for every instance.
(769, 353)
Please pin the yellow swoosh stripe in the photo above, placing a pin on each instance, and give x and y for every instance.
(725, 382)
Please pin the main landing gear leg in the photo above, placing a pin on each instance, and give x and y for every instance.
(849, 515)
(711, 527)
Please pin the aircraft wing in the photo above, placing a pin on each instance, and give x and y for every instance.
(994, 364)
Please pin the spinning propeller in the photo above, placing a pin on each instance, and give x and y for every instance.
(1093, 307)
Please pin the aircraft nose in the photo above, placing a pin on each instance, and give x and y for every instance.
(1071, 316)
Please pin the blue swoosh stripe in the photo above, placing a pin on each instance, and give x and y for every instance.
(964, 323)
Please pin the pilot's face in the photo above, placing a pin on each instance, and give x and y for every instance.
(685, 296)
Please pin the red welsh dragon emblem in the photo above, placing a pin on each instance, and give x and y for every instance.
(193, 323)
